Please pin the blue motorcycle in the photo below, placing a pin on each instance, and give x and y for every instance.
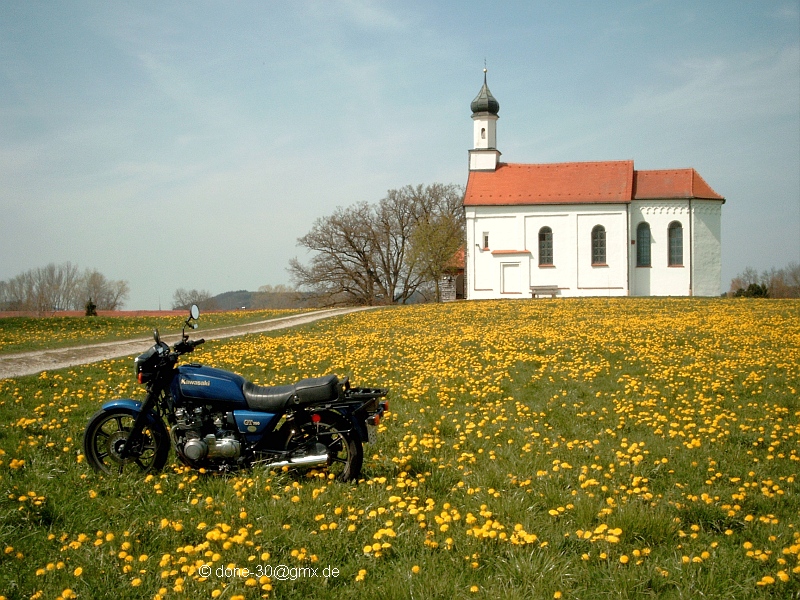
(218, 421)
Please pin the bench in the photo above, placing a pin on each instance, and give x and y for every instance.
(539, 291)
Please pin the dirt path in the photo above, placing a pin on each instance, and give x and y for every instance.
(28, 363)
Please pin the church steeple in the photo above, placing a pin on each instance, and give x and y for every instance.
(484, 101)
(484, 156)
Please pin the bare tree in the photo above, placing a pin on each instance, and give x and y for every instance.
(343, 270)
(777, 283)
(106, 295)
(384, 253)
(185, 298)
(61, 287)
(743, 280)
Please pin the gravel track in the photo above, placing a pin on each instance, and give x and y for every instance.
(29, 363)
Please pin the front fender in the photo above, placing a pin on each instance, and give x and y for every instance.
(131, 405)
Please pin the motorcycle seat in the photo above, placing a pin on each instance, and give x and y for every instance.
(306, 391)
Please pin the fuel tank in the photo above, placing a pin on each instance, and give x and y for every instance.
(209, 386)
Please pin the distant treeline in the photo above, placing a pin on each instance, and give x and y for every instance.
(775, 283)
(267, 297)
(62, 287)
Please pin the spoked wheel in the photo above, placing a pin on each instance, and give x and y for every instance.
(331, 435)
(108, 431)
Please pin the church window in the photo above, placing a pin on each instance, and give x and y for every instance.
(485, 240)
(643, 245)
(599, 245)
(483, 133)
(675, 243)
(545, 246)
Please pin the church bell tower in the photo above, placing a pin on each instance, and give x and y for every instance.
(484, 156)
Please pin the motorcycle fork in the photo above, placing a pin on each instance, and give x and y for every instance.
(141, 419)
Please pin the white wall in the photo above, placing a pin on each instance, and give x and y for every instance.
(660, 279)
(513, 253)
(611, 279)
(510, 266)
(707, 247)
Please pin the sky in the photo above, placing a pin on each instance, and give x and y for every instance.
(189, 144)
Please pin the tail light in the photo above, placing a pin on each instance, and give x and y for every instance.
(374, 419)
(315, 418)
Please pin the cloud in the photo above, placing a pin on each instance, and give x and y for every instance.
(370, 14)
(732, 88)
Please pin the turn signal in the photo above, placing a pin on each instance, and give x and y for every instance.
(315, 418)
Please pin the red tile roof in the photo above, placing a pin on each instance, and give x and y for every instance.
(457, 261)
(557, 183)
(580, 183)
(672, 183)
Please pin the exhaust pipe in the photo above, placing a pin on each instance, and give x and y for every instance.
(312, 459)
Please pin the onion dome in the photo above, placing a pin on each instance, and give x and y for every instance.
(484, 101)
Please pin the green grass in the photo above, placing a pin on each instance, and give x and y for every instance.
(633, 448)
(28, 334)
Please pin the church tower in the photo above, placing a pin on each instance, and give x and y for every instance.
(484, 156)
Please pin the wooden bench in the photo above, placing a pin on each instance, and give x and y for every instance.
(539, 291)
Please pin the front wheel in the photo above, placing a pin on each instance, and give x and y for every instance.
(108, 431)
(345, 453)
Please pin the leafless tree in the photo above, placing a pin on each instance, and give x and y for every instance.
(779, 283)
(185, 298)
(383, 253)
(61, 287)
(106, 295)
(343, 270)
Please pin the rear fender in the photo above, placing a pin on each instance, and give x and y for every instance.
(359, 427)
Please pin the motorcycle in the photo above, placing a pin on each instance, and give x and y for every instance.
(218, 421)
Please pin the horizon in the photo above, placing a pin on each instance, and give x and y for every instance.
(183, 146)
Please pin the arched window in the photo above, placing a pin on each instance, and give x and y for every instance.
(599, 245)
(675, 243)
(545, 246)
(483, 133)
(643, 245)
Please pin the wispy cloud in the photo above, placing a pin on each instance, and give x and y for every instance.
(743, 86)
(371, 14)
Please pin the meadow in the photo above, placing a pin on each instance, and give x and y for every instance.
(586, 448)
(28, 334)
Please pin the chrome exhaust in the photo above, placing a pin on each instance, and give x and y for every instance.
(312, 459)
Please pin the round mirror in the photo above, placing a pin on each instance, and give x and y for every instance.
(194, 311)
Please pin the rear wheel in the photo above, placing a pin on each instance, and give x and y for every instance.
(108, 431)
(333, 435)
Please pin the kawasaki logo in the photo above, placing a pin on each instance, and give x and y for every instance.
(193, 382)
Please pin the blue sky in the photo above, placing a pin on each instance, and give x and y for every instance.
(189, 144)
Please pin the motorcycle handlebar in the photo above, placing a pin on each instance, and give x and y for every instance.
(187, 346)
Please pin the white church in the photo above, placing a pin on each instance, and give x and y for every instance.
(584, 228)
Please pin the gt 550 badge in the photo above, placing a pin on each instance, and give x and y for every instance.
(251, 422)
